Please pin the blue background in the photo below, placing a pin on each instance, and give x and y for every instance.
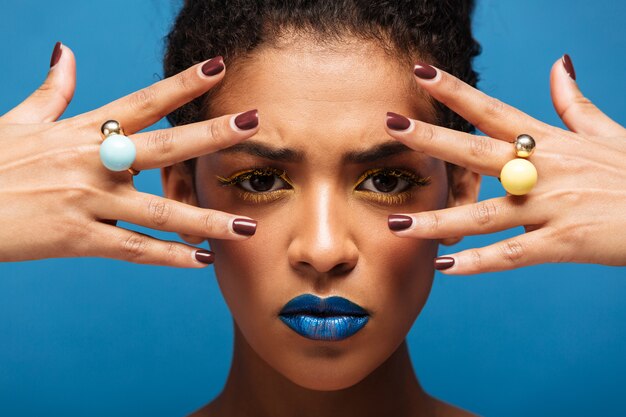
(102, 337)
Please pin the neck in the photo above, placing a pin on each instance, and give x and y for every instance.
(254, 388)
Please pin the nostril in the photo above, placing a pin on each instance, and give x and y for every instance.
(341, 268)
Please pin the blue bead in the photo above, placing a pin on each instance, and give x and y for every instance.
(117, 152)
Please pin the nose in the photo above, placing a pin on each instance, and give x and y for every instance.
(322, 241)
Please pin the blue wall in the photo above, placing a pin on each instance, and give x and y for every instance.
(101, 337)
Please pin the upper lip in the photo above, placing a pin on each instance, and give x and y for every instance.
(314, 305)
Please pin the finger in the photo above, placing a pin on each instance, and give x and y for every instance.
(527, 249)
(165, 147)
(119, 243)
(160, 213)
(480, 154)
(49, 101)
(148, 105)
(577, 112)
(488, 114)
(487, 216)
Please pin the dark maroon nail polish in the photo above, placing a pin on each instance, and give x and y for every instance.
(424, 71)
(205, 256)
(213, 66)
(444, 262)
(569, 66)
(244, 227)
(396, 121)
(399, 222)
(248, 120)
(56, 54)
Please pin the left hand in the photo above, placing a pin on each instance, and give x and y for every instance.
(577, 210)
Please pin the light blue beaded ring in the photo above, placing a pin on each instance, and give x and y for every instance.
(117, 152)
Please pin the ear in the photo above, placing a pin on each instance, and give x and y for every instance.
(464, 188)
(177, 181)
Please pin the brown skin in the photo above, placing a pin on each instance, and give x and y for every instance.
(321, 236)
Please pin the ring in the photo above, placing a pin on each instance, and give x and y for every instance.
(117, 151)
(519, 175)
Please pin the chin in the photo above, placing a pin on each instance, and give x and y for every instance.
(327, 366)
(329, 375)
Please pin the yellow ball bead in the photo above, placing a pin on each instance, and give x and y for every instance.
(518, 176)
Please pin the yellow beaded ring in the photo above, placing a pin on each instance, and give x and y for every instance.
(519, 175)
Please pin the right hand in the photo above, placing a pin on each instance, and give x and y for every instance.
(58, 200)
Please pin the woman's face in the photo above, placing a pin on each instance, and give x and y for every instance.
(322, 226)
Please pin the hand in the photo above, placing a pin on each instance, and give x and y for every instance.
(577, 210)
(58, 200)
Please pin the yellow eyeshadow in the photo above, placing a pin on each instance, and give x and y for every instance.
(246, 174)
(270, 196)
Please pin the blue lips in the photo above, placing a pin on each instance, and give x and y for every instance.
(332, 318)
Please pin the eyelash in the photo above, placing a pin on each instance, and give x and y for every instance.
(379, 197)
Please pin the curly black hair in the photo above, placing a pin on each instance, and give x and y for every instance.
(437, 31)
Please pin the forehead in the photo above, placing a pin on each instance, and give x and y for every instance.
(321, 97)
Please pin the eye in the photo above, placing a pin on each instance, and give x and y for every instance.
(258, 180)
(260, 183)
(392, 181)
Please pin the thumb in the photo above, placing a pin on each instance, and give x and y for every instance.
(49, 101)
(578, 113)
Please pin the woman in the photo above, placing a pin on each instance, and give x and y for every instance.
(323, 203)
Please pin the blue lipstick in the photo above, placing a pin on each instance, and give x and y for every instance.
(332, 318)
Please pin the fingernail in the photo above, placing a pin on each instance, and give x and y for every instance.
(56, 54)
(399, 222)
(244, 227)
(396, 121)
(424, 71)
(443, 262)
(205, 256)
(213, 66)
(248, 120)
(569, 66)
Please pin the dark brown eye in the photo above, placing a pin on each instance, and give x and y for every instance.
(383, 182)
(263, 182)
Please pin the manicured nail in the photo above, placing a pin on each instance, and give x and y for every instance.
(244, 227)
(399, 222)
(205, 256)
(56, 54)
(424, 71)
(444, 262)
(396, 121)
(248, 120)
(569, 67)
(213, 66)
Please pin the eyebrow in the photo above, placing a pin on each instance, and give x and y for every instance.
(256, 148)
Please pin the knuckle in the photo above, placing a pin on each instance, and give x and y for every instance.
(454, 85)
(144, 99)
(134, 246)
(430, 221)
(161, 142)
(494, 107)
(475, 260)
(427, 133)
(76, 194)
(211, 222)
(160, 211)
(479, 147)
(185, 80)
(484, 213)
(216, 131)
(512, 251)
(172, 252)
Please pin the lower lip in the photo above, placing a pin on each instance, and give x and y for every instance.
(324, 328)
